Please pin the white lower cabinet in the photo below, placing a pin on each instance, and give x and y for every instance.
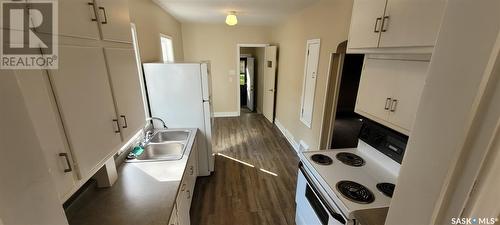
(185, 194)
(389, 91)
(85, 101)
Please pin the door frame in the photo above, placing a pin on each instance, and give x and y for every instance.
(237, 75)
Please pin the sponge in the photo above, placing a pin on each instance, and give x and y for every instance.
(137, 151)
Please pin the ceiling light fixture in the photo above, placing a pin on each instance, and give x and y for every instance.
(231, 19)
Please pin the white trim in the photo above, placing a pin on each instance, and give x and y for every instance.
(309, 42)
(289, 136)
(226, 114)
(237, 75)
(135, 43)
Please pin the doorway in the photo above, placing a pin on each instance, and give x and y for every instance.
(248, 79)
(251, 77)
(341, 125)
(256, 86)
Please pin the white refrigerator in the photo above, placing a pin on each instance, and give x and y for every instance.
(180, 94)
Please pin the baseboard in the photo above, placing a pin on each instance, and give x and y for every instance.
(226, 114)
(289, 137)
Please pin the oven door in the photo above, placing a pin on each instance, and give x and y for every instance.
(312, 208)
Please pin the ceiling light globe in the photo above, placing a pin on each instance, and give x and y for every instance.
(231, 19)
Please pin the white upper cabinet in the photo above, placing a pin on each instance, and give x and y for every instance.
(43, 111)
(114, 20)
(126, 89)
(85, 101)
(366, 21)
(93, 19)
(77, 18)
(390, 90)
(411, 23)
(373, 92)
(408, 86)
(394, 26)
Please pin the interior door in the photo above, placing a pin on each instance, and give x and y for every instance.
(366, 21)
(83, 94)
(270, 82)
(126, 86)
(309, 87)
(410, 23)
(250, 83)
(114, 20)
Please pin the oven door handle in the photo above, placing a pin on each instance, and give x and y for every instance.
(332, 212)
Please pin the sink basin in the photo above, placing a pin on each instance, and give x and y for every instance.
(164, 151)
(166, 135)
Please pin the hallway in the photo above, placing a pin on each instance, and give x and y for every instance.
(255, 176)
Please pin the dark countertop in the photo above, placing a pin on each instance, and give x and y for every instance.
(372, 216)
(144, 194)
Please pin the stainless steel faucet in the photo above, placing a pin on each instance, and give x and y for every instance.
(148, 133)
(156, 118)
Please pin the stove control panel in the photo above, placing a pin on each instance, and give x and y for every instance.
(385, 140)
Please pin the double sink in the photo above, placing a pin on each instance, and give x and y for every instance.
(164, 145)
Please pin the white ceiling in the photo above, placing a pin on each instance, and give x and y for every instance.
(249, 12)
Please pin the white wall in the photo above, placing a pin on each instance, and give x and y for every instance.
(327, 20)
(446, 110)
(218, 43)
(27, 194)
(151, 20)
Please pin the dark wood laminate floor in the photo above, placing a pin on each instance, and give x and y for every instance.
(255, 176)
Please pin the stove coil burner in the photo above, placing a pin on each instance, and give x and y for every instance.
(386, 188)
(321, 159)
(350, 159)
(355, 192)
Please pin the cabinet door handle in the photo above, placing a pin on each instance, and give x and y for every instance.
(65, 155)
(189, 194)
(191, 170)
(183, 187)
(93, 16)
(387, 103)
(394, 105)
(124, 121)
(105, 16)
(117, 126)
(384, 23)
(375, 29)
